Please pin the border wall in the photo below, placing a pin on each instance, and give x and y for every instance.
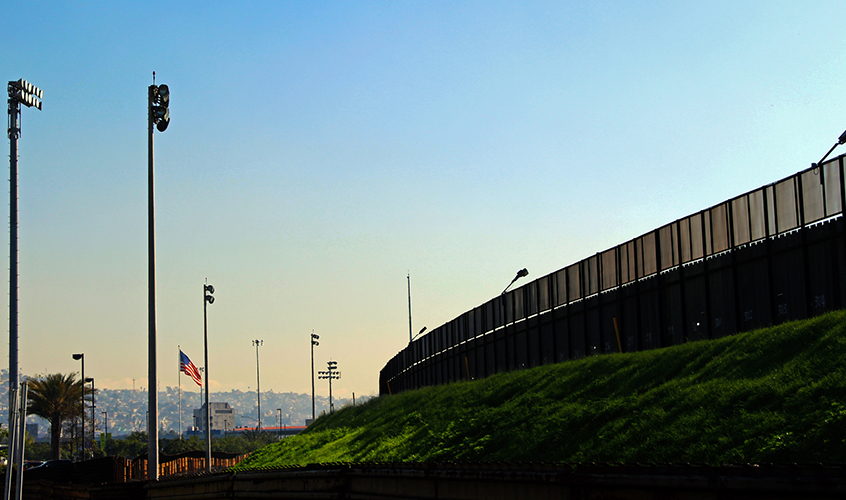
(767, 256)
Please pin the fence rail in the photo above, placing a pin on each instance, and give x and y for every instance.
(770, 255)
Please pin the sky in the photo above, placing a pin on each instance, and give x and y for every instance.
(321, 156)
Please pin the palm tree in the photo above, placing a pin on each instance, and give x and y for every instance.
(55, 398)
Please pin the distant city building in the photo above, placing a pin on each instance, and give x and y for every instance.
(222, 418)
(32, 430)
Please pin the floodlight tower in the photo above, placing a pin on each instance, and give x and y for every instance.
(257, 343)
(158, 114)
(20, 92)
(208, 298)
(314, 342)
(331, 373)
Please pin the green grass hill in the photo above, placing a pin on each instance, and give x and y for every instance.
(776, 395)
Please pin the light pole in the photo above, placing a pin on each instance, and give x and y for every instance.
(410, 338)
(314, 342)
(331, 373)
(522, 273)
(106, 431)
(280, 420)
(20, 92)
(93, 420)
(208, 298)
(81, 358)
(158, 114)
(258, 343)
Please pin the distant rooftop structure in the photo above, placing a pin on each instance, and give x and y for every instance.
(222, 418)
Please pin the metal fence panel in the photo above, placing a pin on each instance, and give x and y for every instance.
(813, 205)
(547, 336)
(787, 214)
(752, 294)
(562, 339)
(650, 319)
(719, 228)
(721, 299)
(574, 286)
(608, 263)
(647, 257)
(741, 226)
(788, 288)
(757, 215)
(695, 301)
(668, 246)
(833, 188)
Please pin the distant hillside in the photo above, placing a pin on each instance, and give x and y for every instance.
(769, 396)
(127, 409)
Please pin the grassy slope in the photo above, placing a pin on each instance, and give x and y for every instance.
(773, 395)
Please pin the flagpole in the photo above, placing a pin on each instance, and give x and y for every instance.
(179, 377)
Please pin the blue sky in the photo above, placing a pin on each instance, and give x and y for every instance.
(319, 152)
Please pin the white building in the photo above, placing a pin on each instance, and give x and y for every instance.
(222, 418)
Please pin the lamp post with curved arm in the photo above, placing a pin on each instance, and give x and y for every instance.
(81, 358)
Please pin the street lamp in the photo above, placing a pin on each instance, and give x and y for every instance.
(258, 343)
(158, 114)
(106, 430)
(331, 373)
(280, 420)
(840, 140)
(314, 342)
(93, 420)
(419, 333)
(20, 92)
(81, 358)
(208, 298)
(522, 273)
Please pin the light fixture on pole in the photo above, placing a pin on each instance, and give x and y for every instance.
(840, 140)
(522, 273)
(331, 373)
(314, 342)
(208, 298)
(419, 333)
(20, 92)
(258, 343)
(158, 114)
(81, 358)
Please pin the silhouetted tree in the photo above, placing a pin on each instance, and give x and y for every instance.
(55, 398)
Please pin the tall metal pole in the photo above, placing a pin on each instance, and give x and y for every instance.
(13, 415)
(81, 447)
(19, 458)
(14, 133)
(20, 92)
(152, 396)
(93, 406)
(409, 308)
(206, 362)
(258, 343)
(313, 343)
(81, 358)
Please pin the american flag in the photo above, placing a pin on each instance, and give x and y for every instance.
(185, 365)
